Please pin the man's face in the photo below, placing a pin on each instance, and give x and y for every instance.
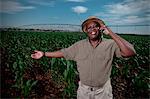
(92, 29)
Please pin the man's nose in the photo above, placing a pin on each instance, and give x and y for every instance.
(92, 29)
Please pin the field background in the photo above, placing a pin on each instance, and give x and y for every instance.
(23, 77)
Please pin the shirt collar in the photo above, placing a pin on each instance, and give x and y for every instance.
(87, 40)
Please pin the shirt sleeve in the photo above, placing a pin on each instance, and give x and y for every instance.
(70, 52)
(117, 50)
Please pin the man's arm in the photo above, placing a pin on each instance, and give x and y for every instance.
(40, 54)
(56, 54)
(67, 53)
(126, 48)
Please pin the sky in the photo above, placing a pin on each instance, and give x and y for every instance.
(112, 12)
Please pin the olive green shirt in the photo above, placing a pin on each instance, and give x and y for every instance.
(93, 64)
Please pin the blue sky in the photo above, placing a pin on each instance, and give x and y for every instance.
(113, 12)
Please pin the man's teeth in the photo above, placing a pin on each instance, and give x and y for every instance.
(93, 33)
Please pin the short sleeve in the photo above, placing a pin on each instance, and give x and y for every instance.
(117, 50)
(70, 52)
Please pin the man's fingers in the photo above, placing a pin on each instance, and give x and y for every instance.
(33, 55)
(35, 51)
(36, 54)
(102, 29)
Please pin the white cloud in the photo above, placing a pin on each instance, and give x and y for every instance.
(79, 9)
(129, 7)
(43, 2)
(12, 7)
(132, 20)
(126, 12)
(76, 0)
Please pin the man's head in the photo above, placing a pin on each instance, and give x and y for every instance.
(92, 27)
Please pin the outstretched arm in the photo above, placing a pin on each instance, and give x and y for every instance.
(126, 48)
(56, 54)
(40, 54)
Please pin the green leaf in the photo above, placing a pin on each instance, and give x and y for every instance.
(34, 83)
(15, 66)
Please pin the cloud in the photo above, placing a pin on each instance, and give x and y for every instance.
(126, 12)
(76, 0)
(129, 7)
(79, 9)
(12, 7)
(50, 3)
(132, 20)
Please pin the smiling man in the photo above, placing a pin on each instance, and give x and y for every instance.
(94, 57)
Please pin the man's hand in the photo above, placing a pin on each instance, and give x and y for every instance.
(104, 27)
(37, 54)
(105, 30)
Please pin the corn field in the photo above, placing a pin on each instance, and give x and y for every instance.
(24, 77)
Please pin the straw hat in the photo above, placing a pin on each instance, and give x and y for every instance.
(91, 19)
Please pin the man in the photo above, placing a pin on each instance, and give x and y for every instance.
(94, 57)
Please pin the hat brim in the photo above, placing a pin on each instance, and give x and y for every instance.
(89, 21)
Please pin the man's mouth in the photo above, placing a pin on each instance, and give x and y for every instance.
(93, 33)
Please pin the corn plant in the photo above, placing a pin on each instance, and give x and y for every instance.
(69, 77)
(20, 83)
